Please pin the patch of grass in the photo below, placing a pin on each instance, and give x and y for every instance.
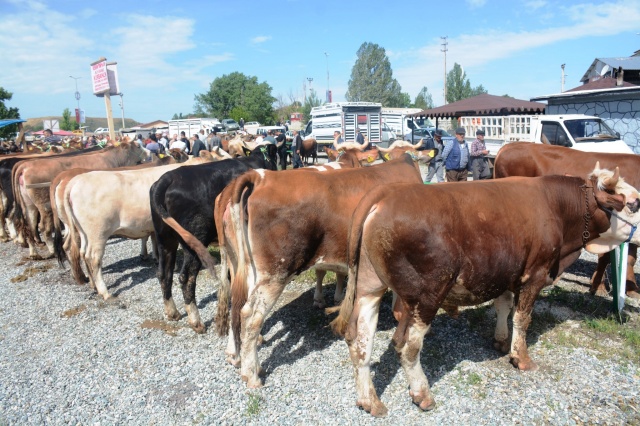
(214, 251)
(625, 334)
(474, 379)
(476, 317)
(253, 405)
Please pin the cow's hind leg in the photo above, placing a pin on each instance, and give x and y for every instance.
(318, 296)
(521, 319)
(188, 277)
(359, 337)
(504, 306)
(167, 248)
(93, 259)
(253, 314)
(339, 293)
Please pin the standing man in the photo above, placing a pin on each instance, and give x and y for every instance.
(214, 141)
(269, 138)
(480, 168)
(241, 123)
(456, 158)
(359, 137)
(295, 150)
(196, 146)
(50, 138)
(436, 166)
(281, 143)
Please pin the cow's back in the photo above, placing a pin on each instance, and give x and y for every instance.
(531, 159)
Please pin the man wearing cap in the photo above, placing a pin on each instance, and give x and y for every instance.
(436, 166)
(479, 162)
(456, 158)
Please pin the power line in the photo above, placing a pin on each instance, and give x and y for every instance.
(444, 49)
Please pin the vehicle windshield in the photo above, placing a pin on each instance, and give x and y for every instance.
(590, 130)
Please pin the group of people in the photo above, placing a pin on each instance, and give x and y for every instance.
(458, 159)
(159, 142)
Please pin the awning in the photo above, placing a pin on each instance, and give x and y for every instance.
(8, 122)
(58, 133)
(484, 104)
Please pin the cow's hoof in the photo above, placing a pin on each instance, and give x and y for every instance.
(633, 294)
(320, 304)
(600, 291)
(426, 403)
(376, 408)
(253, 383)
(527, 365)
(173, 316)
(503, 347)
(35, 257)
(199, 328)
(5, 239)
(233, 360)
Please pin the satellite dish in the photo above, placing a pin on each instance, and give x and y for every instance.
(605, 70)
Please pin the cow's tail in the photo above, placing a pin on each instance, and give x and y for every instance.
(366, 206)
(157, 197)
(57, 226)
(224, 289)
(242, 189)
(19, 220)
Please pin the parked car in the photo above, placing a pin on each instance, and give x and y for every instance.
(252, 123)
(101, 130)
(426, 133)
(230, 124)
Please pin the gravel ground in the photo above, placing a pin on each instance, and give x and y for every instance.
(66, 357)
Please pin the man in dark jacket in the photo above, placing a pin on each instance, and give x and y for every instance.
(296, 145)
(196, 146)
(456, 158)
(281, 143)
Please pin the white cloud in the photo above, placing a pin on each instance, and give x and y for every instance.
(260, 39)
(533, 5)
(424, 66)
(475, 4)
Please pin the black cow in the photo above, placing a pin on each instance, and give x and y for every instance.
(187, 196)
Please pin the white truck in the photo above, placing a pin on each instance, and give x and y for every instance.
(346, 117)
(191, 126)
(578, 131)
(396, 119)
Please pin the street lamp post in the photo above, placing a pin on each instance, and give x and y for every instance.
(77, 94)
(327, 57)
(122, 107)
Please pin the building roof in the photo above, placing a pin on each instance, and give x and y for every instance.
(600, 84)
(630, 63)
(484, 104)
(156, 123)
(621, 90)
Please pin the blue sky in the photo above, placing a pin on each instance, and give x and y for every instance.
(169, 51)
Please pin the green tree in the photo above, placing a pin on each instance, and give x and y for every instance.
(311, 101)
(423, 99)
(459, 86)
(372, 78)
(6, 113)
(237, 90)
(68, 123)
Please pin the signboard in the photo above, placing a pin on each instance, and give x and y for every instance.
(79, 116)
(53, 125)
(99, 77)
(112, 74)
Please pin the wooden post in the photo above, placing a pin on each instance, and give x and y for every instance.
(107, 104)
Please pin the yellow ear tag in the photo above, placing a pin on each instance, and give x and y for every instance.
(432, 154)
(386, 157)
(161, 155)
(370, 159)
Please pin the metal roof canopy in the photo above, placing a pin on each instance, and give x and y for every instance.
(483, 104)
(11, 121)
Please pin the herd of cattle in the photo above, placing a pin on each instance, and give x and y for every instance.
(435, 246)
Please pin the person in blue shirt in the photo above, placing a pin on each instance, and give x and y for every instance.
(456, 158)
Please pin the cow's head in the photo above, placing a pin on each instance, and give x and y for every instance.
(621, 204)
(268, 152)
(424, 156)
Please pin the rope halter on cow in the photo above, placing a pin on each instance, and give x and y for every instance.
(634, 226)
(587, 214)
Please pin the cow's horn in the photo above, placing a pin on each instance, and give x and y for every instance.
(418, 145)
(364, 144)
(381, 149)
(611, 182)
(597, 165)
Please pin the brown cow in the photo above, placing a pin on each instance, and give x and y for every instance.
(273, 231)
(31, 182)
(491, 240)
(532, 159)
(309, 148)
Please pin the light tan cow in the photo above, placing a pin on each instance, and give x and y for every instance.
(124, 210)
(31, 181)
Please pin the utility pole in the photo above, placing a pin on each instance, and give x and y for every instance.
(309, 79)
(77, 94)
(562, 80)
(122, 107)
(444, 49)
(327, 57)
